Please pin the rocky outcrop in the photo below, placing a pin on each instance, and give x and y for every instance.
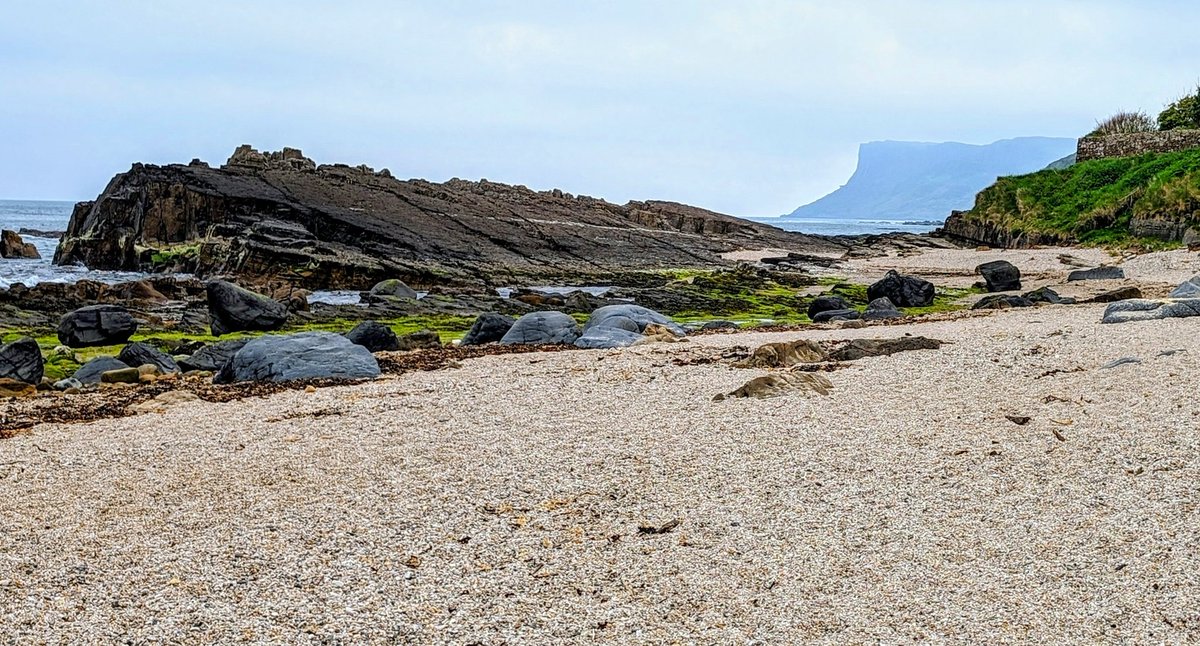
(280, 218)
(12, 246)
(962, 227)
(902, 291)
(96, 325)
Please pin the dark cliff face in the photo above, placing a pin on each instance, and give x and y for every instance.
(961, 228)
(278, 217)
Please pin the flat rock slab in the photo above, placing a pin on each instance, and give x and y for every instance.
(1139, 309)
(1096, 273)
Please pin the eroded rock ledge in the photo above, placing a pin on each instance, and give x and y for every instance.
(278, 217)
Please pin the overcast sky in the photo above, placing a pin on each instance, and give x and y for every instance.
(751, 107)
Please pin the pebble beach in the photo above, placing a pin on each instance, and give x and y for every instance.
(1007, 487)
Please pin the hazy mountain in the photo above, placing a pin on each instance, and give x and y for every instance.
(925, 181)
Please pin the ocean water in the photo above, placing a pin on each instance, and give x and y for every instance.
(850, 226)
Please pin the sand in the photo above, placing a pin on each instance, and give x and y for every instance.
(503, 502)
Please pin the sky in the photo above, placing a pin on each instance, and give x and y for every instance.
(748, 107)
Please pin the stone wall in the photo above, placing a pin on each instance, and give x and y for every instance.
(1136, 143)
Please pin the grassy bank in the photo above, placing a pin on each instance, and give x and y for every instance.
(1094, 202)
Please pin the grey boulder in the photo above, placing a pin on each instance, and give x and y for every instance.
(542, 328)
(96, 325)
(22, 360)
(1048, 295)
(233, 309)
(374, 336)
(139, 354)
(826, 304)
(1097, 273)
(628, 316)
(1140, 309)
(393, 287)
(881, 309)
(488, 328)
(307, 355)
(1188, 289)
(89, 373)
(836, 315)
(607, 337)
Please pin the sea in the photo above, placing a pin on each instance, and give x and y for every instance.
(52, 216)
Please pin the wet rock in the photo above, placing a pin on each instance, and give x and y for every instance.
(880, 309)
(1000, 276)
(826, 304)
(783, 383)
(138, 353)
(1147, 310)
(1096, 273)
(308, 355)
(836, 315)
(903, 291)
(374, 336)
(213, 357)
(90, 372)
(96, 325)
(12, 246)
(1001, 302)
(542, 328)
(233, 309)
(22, 360)
(488, 328)
(419, 340)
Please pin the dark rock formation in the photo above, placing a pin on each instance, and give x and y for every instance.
(96, 325)
(308, 355)
(1097, 273)
(1119, 294)
(374, 336)
(542, 328)
(1189, 288)
(859, 348)
(903, 291)
(1000, 276)
(233, 309)
(836, 315)
(419, 340)
(880, 309)
(90, 372)
(1147, 310)
(278, 217)
(393, 287)
(1001, 302)
(962, 227)
(599, 338)
(140, 354)
(22, 360)
(488, 328)
(12, 246)
(826, 303)
(1048, 295)
(212, 357)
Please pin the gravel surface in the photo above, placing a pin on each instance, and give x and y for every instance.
(604, 497)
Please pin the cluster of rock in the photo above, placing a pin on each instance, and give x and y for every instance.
(12, 246)
(886, 297)
(611, 326)
(1183, 301)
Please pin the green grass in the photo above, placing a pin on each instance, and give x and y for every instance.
(1093, 202)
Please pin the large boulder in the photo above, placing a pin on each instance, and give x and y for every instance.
(307, 355)
(90, 372)
(96, 325)
(420, 340)
(620, 316)
(22, 360)
(1139, 309)
(881, 309)
(233, 309)
(213, 357)
(1188, 289)
(1000, 276)
(488, 328)
(903, 291)
(374, 336)
(392, 287)
(1097, 273)
(12, 246)
(836, 315)
(542, 328)
(825, 304)
(608, 337)
(140, 354)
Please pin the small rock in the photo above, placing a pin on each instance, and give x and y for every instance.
(374, 336)
(1188, 289)
(1120, 362)
(1019, 420)
(1096, 273)
(781, 383)
(90, 372)
(836, 315)
(419, 341)
(881, 309)
(488, 328)
(1001, 302)
(825, 304)
(68, 384)
(164, 401)
(1119, 294)
(121, 376)
(392, 287)
(138, 353)
(1048, 295)
(13, 388)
